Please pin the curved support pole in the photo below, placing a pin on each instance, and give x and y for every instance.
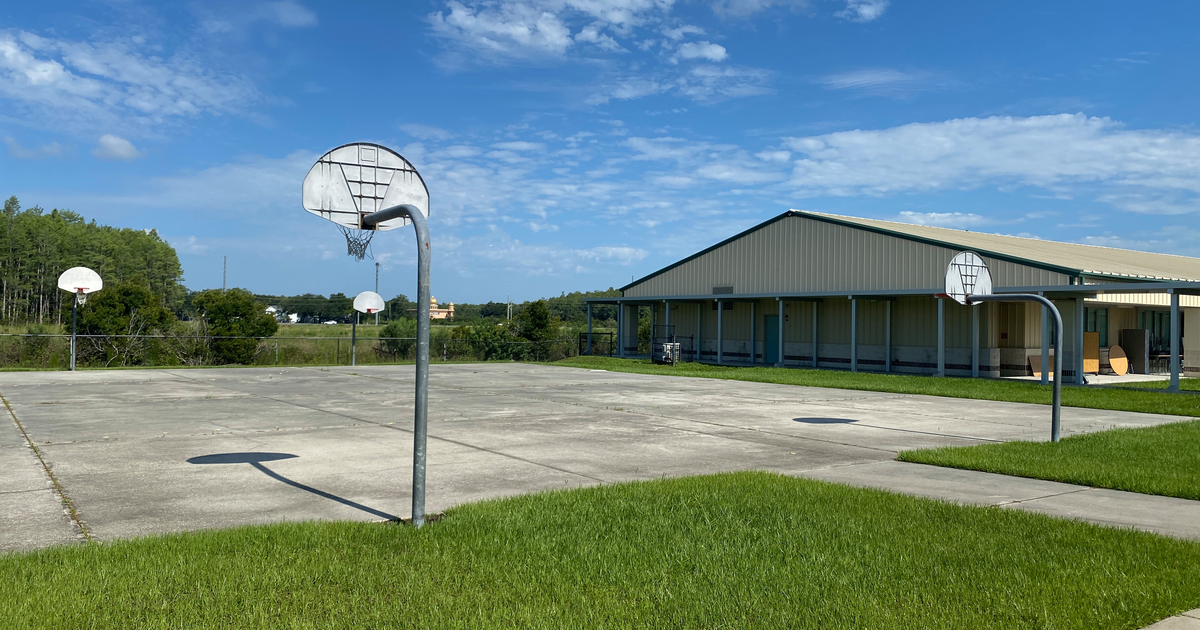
(421, 408)
(1056, 412)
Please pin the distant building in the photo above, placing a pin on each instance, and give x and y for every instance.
(435, 312)
(807, 289)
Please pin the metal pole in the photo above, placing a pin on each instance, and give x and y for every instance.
(421, 408)
(1056, 401)
(1046, 345)
(720, 333)
(699, 315)
(224, 271)
(74, 324)
(941, 358)
(780, 341)
(589, 329)
(354, 340)
(276, 351)
(816, 361)
(887, 338)
(377, 290)
(853, 334)
(974, 343)
(1174, 342)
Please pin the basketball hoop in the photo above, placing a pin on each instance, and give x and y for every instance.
(80, 281)
(967, 275)
(355, 180)
(358, 242)
(364, 188)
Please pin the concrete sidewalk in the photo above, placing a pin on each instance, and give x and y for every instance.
(1161, 515)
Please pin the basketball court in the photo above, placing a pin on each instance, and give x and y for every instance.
(149, 451)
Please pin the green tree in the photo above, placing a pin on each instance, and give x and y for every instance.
(398, 338)
(120, 315)
(534, 322)
(234, 313)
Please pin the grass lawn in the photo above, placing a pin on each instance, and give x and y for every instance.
(1148, 401)
(738, 550)
(1185, 384)
(1154, 460)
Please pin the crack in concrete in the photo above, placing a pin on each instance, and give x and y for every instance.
(58, 488)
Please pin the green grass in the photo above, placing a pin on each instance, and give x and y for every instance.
(1185, 384)
(1146, 401)
(738, 550)
(1153, 460)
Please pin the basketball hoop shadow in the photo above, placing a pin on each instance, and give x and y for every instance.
(256, 460)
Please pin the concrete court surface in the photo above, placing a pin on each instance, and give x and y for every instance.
(148, 451)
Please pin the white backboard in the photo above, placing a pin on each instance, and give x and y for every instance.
(357, 179)
(368, 302)
(966, 275)
(80, 279)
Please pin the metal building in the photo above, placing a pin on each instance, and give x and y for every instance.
(821, 290)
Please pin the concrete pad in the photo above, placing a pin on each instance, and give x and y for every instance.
(1162, 515)
(31, 514)
(141, 452)
(1176, 623)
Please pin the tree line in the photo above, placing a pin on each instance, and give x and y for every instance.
(566, 308)
(36, 246)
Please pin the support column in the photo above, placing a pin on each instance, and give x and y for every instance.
(975, 341)
(720, 332)
(816, 354)
(941, 358)
(853, 334)
(887, 339)
(696, 342)
(781, 316)
(589, 328)
(1080, 324)
(1175, 330)
(753, 333)
(620, 330)
(1046, 344)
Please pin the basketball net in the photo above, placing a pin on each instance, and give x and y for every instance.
(80, 296)
(357, 241)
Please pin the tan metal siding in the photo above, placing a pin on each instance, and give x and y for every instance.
(803, 255)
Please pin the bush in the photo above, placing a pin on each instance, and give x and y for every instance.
(234, 313)
(120, 314)
(398, 338)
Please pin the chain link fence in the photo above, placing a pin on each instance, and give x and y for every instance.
(53, 351)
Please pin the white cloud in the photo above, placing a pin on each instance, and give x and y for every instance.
(289, 14)
(863, 10)
(15, 149)
(507, 29)
(746, 8)
(701, 50)
(284, 14)
(678, 33)
(111, 147)
(943, 219)
(82, 86)
(426, 132)
(1148, 171)
(876, 80)
(519, 146)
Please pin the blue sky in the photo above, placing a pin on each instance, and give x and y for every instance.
(574, 144)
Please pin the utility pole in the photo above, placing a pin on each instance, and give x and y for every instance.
(224, 271)
(509, 300)
(376, 290)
